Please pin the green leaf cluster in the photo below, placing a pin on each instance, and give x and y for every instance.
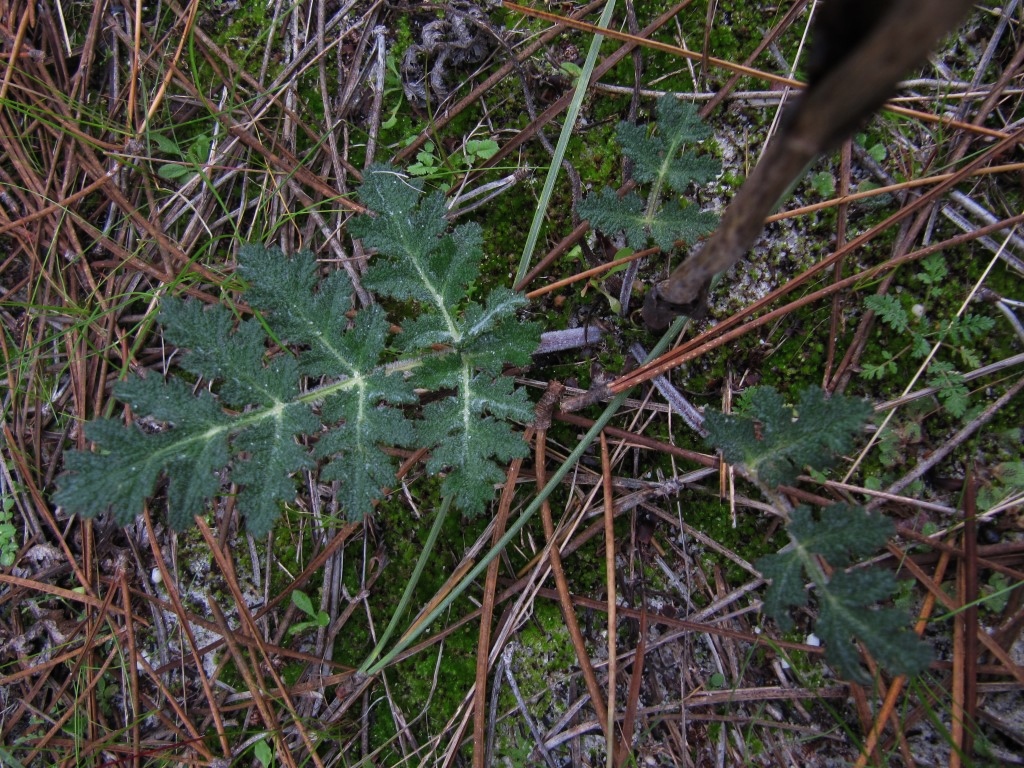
(433, 167)
(772, 442)
(664, 161)
(311, 383)
(316, 618)
(192, 160)
(8, 532)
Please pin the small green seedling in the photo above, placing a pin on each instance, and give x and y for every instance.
(263, 753)
(432, 166)
(877, 150)
(317, 618)
(192, 160)
(824, 183)
(919, 334)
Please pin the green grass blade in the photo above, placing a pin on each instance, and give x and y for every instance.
(563, 142)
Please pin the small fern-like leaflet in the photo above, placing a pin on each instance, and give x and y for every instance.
(256, 414)
(664, 161)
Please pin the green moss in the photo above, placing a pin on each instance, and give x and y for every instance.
(541, 661)
(418, 684)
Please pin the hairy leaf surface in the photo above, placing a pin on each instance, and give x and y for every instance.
(666, 162)
(848, 601)
(255, 414)
(775, 441)
(661, 157)
(849, 610)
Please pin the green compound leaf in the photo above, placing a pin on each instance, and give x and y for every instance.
(415, 258)
(935, 269)
(664, 161)
(271, 457)
(245, 429)
(310, 371)
(126, 473)
(401, 224)
(969, 328)
(665, 225)
(468, 429)
(952, 389)
(842, 535)
(775, 441)
(199, 437)
(357, 461)
(786, 573)
(311, 312)
(467, 432)
(658, 158)
(354, 447)
(888, 308)
(848, 601)
(465, 440)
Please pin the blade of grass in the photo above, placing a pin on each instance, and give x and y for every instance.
(609, 563)
(410, 588)
(563, 142)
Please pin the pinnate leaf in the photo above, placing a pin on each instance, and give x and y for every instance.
(952, 390)
(969, 328)
(329, 397)
(890, 310)
(416, 259)
(665, 225)
(657, 157)
(271, 456)
(244, 427)
(468, 430)
(841, 534)
(125, 473)
(849, 609)
(773, 442)
(663, 160)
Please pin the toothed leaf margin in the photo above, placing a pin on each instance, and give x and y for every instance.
(254, 415)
